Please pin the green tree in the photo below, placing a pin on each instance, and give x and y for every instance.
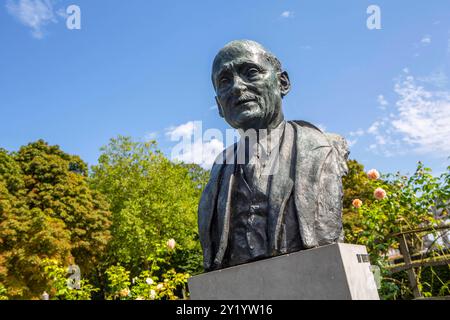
(57, 184)
(152, 200)
(407, 205)
(24, 234)
(357, 185)
(50, 212)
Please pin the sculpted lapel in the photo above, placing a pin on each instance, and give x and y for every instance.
(206, 210)
(312, 148)
(224, 203)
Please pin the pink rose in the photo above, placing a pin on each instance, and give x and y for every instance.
(171, 244)
(124, 292)
(373, 174)
(379, 193)
(357, 203)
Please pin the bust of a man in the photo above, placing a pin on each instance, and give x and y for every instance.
(277, 190)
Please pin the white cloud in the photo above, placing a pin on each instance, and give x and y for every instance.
(34, 14)
(287, 14)
(351, 142)
(419, 122)
(357, 133)
(424, 117)
(208, 151)
(181, 131)
(151, 135)
(352, 137)
(382, 101)
(62, 13)
(373, 129)
(191, 148)
(438, 79)
(426, 40)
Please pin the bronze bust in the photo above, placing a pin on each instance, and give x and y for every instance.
(279, 189)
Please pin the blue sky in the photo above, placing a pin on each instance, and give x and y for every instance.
(142, 68)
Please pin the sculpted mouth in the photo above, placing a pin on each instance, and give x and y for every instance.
(243, 101)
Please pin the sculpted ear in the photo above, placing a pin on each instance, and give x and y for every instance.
(285, 83)
(219, 107)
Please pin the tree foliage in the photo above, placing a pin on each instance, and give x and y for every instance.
(150, 284)
(152, 200)
(115, 221)
(47, 210)
(356, 185)
(407, 206)
(410, 204)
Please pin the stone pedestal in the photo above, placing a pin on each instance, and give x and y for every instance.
(337, 271)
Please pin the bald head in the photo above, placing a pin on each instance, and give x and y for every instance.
(236, 48)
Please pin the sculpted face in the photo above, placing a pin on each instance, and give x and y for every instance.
(249, 87)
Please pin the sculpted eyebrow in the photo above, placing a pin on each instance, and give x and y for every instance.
(247, 64)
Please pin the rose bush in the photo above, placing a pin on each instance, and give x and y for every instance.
(157, 283)
(401, 203)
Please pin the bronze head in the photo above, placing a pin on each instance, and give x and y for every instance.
(250, 85)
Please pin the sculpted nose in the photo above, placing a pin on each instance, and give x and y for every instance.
(238, 86)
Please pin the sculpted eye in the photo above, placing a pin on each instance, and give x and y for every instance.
(223, 81)
(252, 72)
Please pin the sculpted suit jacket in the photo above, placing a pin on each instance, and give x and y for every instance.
(310, 171)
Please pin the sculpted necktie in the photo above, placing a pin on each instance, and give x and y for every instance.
(252, 169)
